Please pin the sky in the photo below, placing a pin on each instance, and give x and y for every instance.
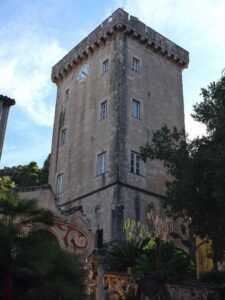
(34, 35)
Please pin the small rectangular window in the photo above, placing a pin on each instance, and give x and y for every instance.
(101, 163)
(66, 96)
(135, 163)
(103, 110)
(136, 65)
(136, 109)
(105, 66)
(59, 185)
(64, 137)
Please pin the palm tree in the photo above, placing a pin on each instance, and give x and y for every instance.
(32, 265)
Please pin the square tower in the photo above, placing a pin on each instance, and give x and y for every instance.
(114, 89)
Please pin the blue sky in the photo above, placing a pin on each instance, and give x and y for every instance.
(34, 35)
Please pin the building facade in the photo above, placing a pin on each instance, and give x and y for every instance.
(114, 89)
(5, 103)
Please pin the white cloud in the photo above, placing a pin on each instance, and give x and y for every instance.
(194, 128)
(25, 67)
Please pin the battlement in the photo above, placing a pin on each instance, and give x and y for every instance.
(130, 25)
(6, 100)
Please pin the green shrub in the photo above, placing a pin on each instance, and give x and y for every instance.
(154, 258)
(122, 255)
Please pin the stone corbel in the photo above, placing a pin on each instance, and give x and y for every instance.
(119, 27)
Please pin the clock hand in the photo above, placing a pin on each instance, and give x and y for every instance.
(84, 73)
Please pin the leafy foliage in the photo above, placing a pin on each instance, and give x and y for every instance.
(27, 175)
(44, 171)
(135, 230)
(32, 265)
(162, 261)
(50, 272)
(196, 189)
(6, 184)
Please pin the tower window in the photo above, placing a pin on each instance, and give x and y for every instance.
(66, 96)
(103, 110)
(136, 65)
(105, 66)
(135, 163)
(64, 137)
(101, 163)
(136, 109)
(59, 185)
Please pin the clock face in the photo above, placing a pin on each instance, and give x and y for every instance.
(83, 73)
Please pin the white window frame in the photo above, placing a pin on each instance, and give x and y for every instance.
(136, 109)
(59, 184)
(135, 163)
(66, 95)
(136, 64)
(103, 110)
(101, 163)
(105, 66)
(64, 134)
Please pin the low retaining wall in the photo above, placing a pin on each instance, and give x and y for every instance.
(186, 291)
(114, 286)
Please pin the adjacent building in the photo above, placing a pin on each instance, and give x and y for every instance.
(5, 103)
(114, 89)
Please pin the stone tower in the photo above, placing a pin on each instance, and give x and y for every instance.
(114, 89)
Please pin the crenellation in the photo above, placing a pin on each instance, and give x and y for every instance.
(8, 101)
(120, 20)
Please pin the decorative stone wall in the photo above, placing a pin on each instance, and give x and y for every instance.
(73, 234)
(117, 286)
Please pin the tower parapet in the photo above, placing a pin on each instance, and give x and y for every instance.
(120, 20)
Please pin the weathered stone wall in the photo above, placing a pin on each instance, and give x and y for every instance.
(88, 136)
(98, 207)
(158, 87)
(43, 194)
(116, 286)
